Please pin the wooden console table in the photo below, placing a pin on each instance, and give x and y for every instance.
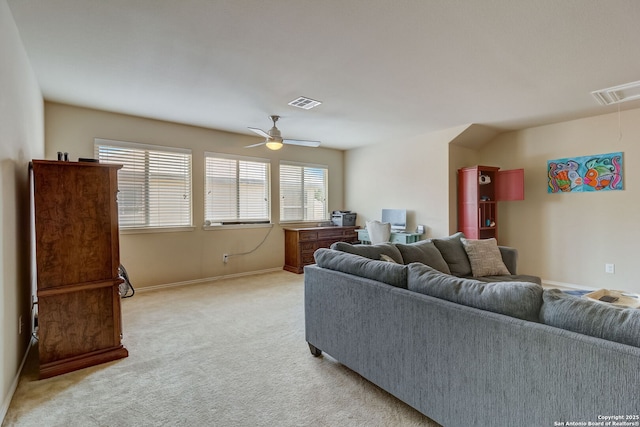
(301, 243)
(405, 238)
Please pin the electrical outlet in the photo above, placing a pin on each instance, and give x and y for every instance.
(610, 268)
(225, 258)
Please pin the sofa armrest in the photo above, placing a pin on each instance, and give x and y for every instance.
(510, 258)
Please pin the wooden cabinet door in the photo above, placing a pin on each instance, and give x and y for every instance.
(74, 239)
(510, 185)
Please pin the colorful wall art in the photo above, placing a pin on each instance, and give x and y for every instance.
(600, 172)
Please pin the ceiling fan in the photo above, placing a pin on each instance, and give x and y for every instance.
(274, 140)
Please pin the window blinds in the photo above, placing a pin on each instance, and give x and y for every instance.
(154, 183)
(303, 192)
(236, 189)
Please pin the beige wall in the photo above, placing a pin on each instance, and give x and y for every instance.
(21, 138)
(567, 238)
(459, 157)
(172, 257)
(412, 175)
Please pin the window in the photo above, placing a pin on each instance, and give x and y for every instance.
(154, 183)
(303, 192)
(236, 189)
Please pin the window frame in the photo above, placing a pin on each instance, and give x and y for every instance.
(238, 222)
(304, 166)
(148, 211)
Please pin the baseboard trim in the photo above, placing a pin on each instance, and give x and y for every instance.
(553, 283)
(206, 280)
(14, 385)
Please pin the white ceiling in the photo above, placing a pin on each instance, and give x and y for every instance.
(384, 69)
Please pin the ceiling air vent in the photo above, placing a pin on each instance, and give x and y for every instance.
(304, 103)
(617, 94)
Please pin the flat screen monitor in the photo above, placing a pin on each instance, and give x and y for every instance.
(396, 217)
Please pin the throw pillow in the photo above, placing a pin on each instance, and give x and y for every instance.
(387, 258)
(485, 257)
(515, 299)
(454, 254)
(425, 252)
(590, 317)
(370, 251)
(382, 271)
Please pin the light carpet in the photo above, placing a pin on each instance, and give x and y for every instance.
(227, 353)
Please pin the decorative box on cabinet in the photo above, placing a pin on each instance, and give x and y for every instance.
(478, 197)
(301, 243)
(77, 260)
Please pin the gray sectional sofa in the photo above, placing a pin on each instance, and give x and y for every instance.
(493, 350)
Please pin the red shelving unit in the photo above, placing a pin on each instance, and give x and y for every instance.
(479, 190)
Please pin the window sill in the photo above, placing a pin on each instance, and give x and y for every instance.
(156, 230)
(235, 226)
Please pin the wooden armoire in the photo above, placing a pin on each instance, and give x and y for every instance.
(77, 260)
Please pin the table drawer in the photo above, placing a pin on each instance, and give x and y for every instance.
(307, 247)
(338, 234)
(308, 258)
(325, 243)
(350, 236)
(308, 235)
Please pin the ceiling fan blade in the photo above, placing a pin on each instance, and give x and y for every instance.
(260, 132)
(255, 145)
(301, 142)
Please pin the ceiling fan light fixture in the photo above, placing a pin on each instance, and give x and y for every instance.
(273, 138)
(274, 144)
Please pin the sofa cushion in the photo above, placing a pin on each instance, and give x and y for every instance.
(485, 257)
(382, 271)
(510, 278)
(370, 251)
(516, 299)
(424, 251)
(454, 254)
(510, 258)
(591, 317)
